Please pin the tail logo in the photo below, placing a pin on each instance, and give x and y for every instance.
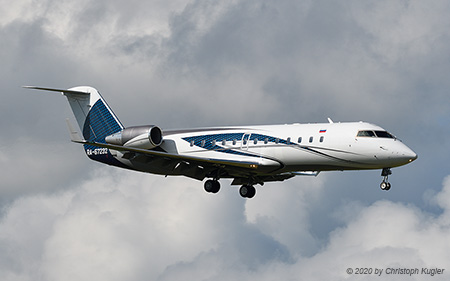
(99, 123)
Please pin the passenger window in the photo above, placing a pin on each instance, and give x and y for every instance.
(277, 140)
(311, 139)
(255, 141)
(224, 142)
(213, 142)
(203, 143)
(299, 139)
(244, 141)
(192, 143)
(234, 142)
(266, 140)
(321, 139)
(289, 140)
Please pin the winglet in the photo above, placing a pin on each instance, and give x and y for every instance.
(73, 133)
(329, 120)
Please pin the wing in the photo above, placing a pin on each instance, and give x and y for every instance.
(209, 166)
(154, 153)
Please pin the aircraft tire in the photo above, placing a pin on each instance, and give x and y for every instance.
(209, 185)
(212, 186)
(385, 186)
(216, 186)
(247, 191)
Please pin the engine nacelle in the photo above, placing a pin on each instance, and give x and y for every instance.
(145, 137)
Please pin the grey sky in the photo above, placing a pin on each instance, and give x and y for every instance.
(202, 63)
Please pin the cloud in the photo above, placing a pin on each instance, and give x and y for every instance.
(117, 223)
(121, 226)
(41, 176)
(300, 58)
(194, 63)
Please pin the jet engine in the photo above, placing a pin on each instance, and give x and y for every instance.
(145, 137)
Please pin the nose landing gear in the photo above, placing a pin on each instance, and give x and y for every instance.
(385, 185)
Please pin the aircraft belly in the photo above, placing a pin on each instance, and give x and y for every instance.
(197, 170)
(162, 166)
(263, 164)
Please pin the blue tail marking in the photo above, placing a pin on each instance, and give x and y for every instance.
(100, 123)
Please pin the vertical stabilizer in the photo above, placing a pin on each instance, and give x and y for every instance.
(95, 118)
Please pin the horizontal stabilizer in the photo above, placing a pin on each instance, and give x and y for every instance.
(57, 90)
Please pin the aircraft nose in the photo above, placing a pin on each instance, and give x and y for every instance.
(399, 154)
(409, 154)
(413, 156)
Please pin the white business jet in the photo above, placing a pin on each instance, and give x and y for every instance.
(249, 155)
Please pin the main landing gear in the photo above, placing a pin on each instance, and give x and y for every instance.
(212, 186)
(246, 191)
(385, 185)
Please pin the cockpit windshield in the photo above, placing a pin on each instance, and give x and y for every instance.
(375, 134)
(366, 134)
(384, 134)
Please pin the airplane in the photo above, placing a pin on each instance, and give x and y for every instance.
(249, 155)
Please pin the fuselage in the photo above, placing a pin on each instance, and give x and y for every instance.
(294, 147)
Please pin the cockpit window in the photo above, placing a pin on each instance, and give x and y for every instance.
(366, 134)
(384, 134)
(373, 134)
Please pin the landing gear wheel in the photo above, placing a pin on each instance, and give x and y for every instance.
(212, 186)
(247, 191)
(385, 186)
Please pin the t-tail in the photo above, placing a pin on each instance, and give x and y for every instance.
(94, 117)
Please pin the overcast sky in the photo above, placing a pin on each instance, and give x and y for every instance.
(193, 63)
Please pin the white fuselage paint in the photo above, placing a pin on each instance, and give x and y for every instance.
(323, 147)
